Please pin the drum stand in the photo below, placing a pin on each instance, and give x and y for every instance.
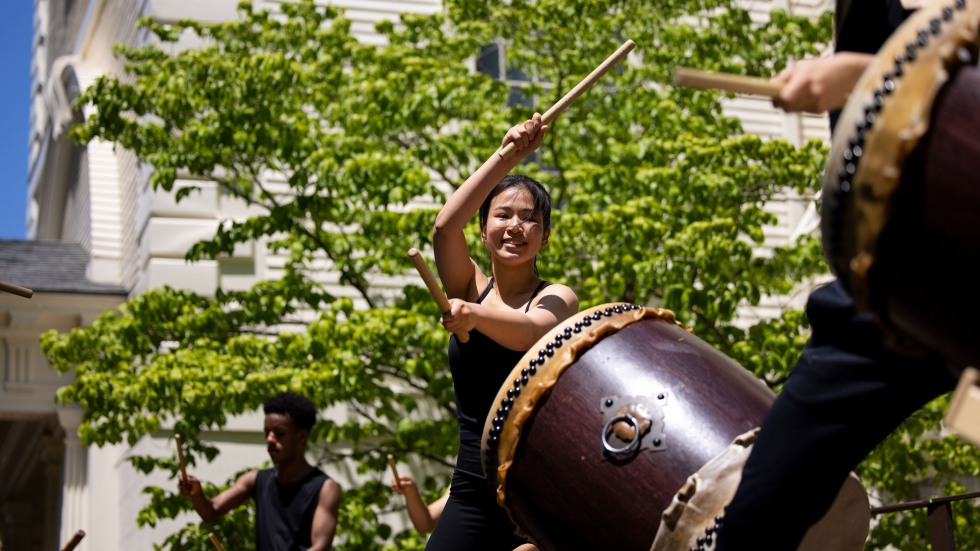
(963, 415)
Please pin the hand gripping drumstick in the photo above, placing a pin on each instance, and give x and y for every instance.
(433, 285)
(394, 470)
(577, 91)
(74, 541)
(16, 289)
(741, 84)
(215, 542)
(180, 456)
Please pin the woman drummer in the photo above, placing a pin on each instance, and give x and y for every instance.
(504, 312)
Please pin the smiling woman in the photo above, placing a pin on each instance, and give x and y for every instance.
(505, 312)
(517, 214)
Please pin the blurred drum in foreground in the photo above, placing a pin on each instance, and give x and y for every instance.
(901, 192)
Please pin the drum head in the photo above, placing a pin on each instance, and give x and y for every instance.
(562, 449)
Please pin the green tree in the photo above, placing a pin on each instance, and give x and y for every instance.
(660, 201)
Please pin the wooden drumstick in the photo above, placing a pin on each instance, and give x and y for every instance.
(695, 78)
(215, 542)
(16, 289)
(394, 470)
(180, 457)
(433, 285)
(74, 541)
(577, 91)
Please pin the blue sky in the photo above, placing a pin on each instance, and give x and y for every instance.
(15, 66)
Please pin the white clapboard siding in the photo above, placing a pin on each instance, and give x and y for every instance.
(365, 14)
(757, 115)
(759, 9)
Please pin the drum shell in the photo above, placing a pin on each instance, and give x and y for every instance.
(924, 284)
(566, 493)
(900, 190)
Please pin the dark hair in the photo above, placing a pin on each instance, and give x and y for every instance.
(542, 201)
(299, 408)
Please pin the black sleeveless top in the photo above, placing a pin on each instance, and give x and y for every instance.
(863, 26)
(479, 368)
(284, 512)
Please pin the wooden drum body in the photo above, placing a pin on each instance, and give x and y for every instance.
(561, 449)
(901, 193)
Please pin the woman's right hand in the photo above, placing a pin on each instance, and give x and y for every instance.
(526, 136)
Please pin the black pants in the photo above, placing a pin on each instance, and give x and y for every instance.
(845, 394)
(472, 520)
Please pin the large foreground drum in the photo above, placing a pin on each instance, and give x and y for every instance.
(901, 193)
(621, 424)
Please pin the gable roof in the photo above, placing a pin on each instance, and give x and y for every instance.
(52, 266)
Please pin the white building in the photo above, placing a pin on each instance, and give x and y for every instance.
(98, 234)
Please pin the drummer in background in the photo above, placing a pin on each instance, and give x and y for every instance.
(505, 312)
(296, 504)
(424, 516)
(846, 392)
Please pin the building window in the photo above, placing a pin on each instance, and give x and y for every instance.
(492, 61)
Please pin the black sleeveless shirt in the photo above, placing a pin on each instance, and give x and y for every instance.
(479, 368)
(284, 512)
(863, 26)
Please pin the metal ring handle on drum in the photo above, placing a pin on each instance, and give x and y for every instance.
(632, 443)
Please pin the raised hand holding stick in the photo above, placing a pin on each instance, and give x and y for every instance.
(433, 285)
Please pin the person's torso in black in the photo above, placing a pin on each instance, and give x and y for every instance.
(863, 26)
(284, 512)
(479, 368)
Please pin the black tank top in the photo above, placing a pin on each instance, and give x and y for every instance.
(284, 512)
(479, 368)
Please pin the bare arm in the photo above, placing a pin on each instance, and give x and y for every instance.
(513, 328)
(423, 516)
(325, 516)
(820, 84)
(437, 506)
(212, 509)
(456, 269)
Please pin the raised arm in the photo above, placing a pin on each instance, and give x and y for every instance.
(212, 509)
(456, 269)
(325, 516)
